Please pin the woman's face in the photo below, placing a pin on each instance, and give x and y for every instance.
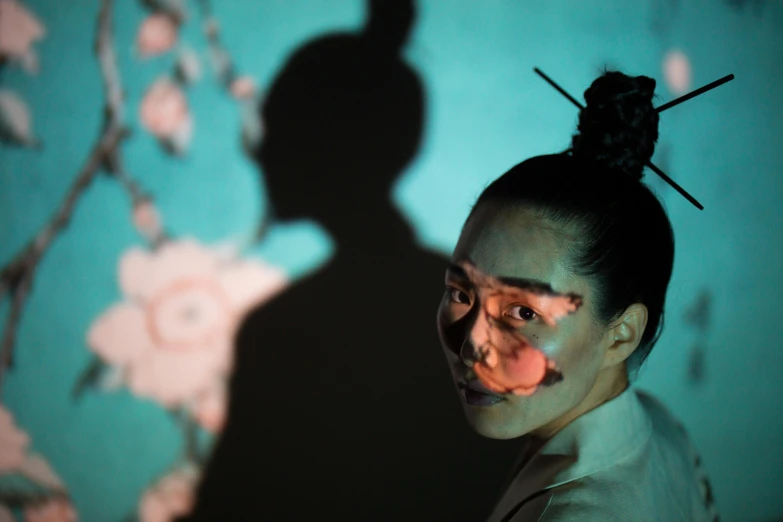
(514, 321)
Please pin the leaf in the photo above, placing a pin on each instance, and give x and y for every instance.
(177, 144)
(29, 62)
(698, 314)
(90, 378)
(15, 121)
(188, 67)
(252, 127)
(34, 483)
(38, 470)
(16, 490)
(222, 65)
(112, 378)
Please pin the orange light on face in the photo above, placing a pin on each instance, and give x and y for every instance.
(506, 361)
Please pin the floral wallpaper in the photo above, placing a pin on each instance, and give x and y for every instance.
(131, 245)
(169, 340)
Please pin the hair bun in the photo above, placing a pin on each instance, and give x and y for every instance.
(619, 126)
(389, 24)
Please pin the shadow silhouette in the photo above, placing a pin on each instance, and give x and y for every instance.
(342, 405)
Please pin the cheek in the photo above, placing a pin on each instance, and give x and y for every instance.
(519, 370)
(525, 366)
(450, 333)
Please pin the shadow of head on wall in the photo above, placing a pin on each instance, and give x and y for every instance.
(341, 121)
(342, 406)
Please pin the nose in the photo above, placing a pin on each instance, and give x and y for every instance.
(467, 352)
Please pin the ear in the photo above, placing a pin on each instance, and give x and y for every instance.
(625, 334)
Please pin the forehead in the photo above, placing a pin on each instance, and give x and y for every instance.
(505, 241)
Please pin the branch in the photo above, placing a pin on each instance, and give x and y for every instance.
(226, 73)
(17, 277)
(191, 452)
(221, 59)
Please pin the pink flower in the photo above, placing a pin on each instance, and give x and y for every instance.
(19, 29)
(171, 497)
(209, 408)
(164, 110)
(243, 88)
(157, 34)
(173, 335)
(677, 72)
(13, 443)
(55, 510)
(147, 219)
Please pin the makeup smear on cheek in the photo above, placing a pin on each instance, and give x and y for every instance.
(519, 370)
(507, 362)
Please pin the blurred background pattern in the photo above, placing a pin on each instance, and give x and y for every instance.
(135, 230)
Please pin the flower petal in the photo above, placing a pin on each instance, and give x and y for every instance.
(19, 28)
(250, 282)
(120, 335)
(143, 274)
(184, 259)
(38, 470)
(13, 442)
(172, 378)
(135, 268)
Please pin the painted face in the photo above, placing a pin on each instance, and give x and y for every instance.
(515, 324)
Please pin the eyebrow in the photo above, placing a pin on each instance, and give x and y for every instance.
(522, 283)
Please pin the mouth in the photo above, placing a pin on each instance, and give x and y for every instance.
(476, 394)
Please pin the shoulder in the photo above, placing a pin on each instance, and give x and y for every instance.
(570, 502)
(592, 499)
(604, 501)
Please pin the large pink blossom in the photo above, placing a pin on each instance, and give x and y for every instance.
(173, 334)
(13, 443)
(170, 497)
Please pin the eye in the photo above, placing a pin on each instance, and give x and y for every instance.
(522, 313)
(457, 296)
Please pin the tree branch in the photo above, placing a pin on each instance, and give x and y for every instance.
(222, 62)
(17, 277)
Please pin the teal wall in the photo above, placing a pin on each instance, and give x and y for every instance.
(486, 111)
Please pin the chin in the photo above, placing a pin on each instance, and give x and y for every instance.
(489, 427)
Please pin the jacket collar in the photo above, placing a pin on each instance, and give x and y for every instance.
(591, 442)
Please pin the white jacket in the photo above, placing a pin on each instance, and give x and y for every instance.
(629, 460)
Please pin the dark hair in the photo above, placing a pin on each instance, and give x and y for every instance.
(620, 235)
(351, 97)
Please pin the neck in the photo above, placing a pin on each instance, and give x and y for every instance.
(610, 383)
(363, 225)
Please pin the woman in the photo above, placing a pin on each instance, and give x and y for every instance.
(553, 300)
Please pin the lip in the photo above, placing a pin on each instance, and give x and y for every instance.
(476, 386)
